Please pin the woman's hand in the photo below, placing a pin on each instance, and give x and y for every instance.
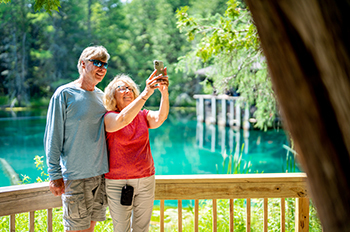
(156, 118)
(156, 82)
(163, 82)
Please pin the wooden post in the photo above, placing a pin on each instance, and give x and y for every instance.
(232, 217)
(283, 215)
(12, 223)
(231, 136)
(179, 215)
(238, 141)
(248, 214)
(238, 114)
(213, 137)
(309, 65)
(196, 214)
(266, 214)
(246, 124)
(223, 120)
(215, 216)
(213, 110)
(200, 134)
(223, 142)
(246, 141)
(31, 221)
(232, 113)
(161, 216)
(302, 214)
(200, 109)
(49, 220)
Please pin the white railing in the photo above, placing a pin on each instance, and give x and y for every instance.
(33, 197)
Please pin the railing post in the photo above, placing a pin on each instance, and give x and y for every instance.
(196, 212)
(302, 214)
(161, 217)
(248, 214)
(179, 215)
(232, 218)
(31, 221)
(266, 214)
(283, 215)
(215, 218)
(12, 223)
(49, 220)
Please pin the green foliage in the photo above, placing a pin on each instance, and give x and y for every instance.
(229, 45)
(4, 100)
(290, 159)
(39, 164)
(235, 164)
(47, 55)
(48, 5)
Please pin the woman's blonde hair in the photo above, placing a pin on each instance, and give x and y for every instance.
(97, 52)
(109, 99)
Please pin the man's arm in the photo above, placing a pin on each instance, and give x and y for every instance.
(53, 142)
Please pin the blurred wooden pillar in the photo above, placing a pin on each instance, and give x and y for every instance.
(306, 44)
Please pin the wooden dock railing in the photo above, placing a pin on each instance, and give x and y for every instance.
(33, 197)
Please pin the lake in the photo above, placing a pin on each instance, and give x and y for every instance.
(180, 146)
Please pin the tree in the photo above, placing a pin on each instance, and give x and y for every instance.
(306, 44)
(48, 5)
(14, 50)
(228, 45)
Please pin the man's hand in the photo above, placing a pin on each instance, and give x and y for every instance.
(57, 187)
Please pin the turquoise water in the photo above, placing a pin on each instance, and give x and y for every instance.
(180, 146)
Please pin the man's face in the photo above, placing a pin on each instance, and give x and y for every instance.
(95, 70)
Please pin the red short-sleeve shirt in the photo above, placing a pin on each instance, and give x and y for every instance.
(129, 150)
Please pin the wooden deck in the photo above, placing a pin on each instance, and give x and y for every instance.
(32, 197)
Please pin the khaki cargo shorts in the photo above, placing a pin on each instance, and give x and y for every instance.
(84, 201)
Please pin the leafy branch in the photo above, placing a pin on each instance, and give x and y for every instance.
(47, 5)
(229, 45)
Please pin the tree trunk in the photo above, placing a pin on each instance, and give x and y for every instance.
(89, 17)
(307, 47)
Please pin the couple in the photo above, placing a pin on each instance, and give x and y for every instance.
(93, 154)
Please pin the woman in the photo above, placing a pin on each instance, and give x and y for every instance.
(130, 160)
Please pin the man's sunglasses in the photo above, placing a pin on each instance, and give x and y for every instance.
(98, 63)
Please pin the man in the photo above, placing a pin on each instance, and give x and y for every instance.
(75, 144)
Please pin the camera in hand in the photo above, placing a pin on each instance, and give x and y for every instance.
(159, 66)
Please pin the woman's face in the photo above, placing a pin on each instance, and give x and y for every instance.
(123, 94)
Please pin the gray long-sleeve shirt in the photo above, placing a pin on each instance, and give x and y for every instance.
(74, 139)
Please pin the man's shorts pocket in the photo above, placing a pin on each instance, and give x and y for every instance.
(74, 206)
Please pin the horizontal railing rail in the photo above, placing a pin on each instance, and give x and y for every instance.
(33, 197)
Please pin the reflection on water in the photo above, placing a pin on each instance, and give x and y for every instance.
(197, 148)
(179, 146)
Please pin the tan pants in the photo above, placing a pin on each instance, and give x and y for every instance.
(136, 217)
